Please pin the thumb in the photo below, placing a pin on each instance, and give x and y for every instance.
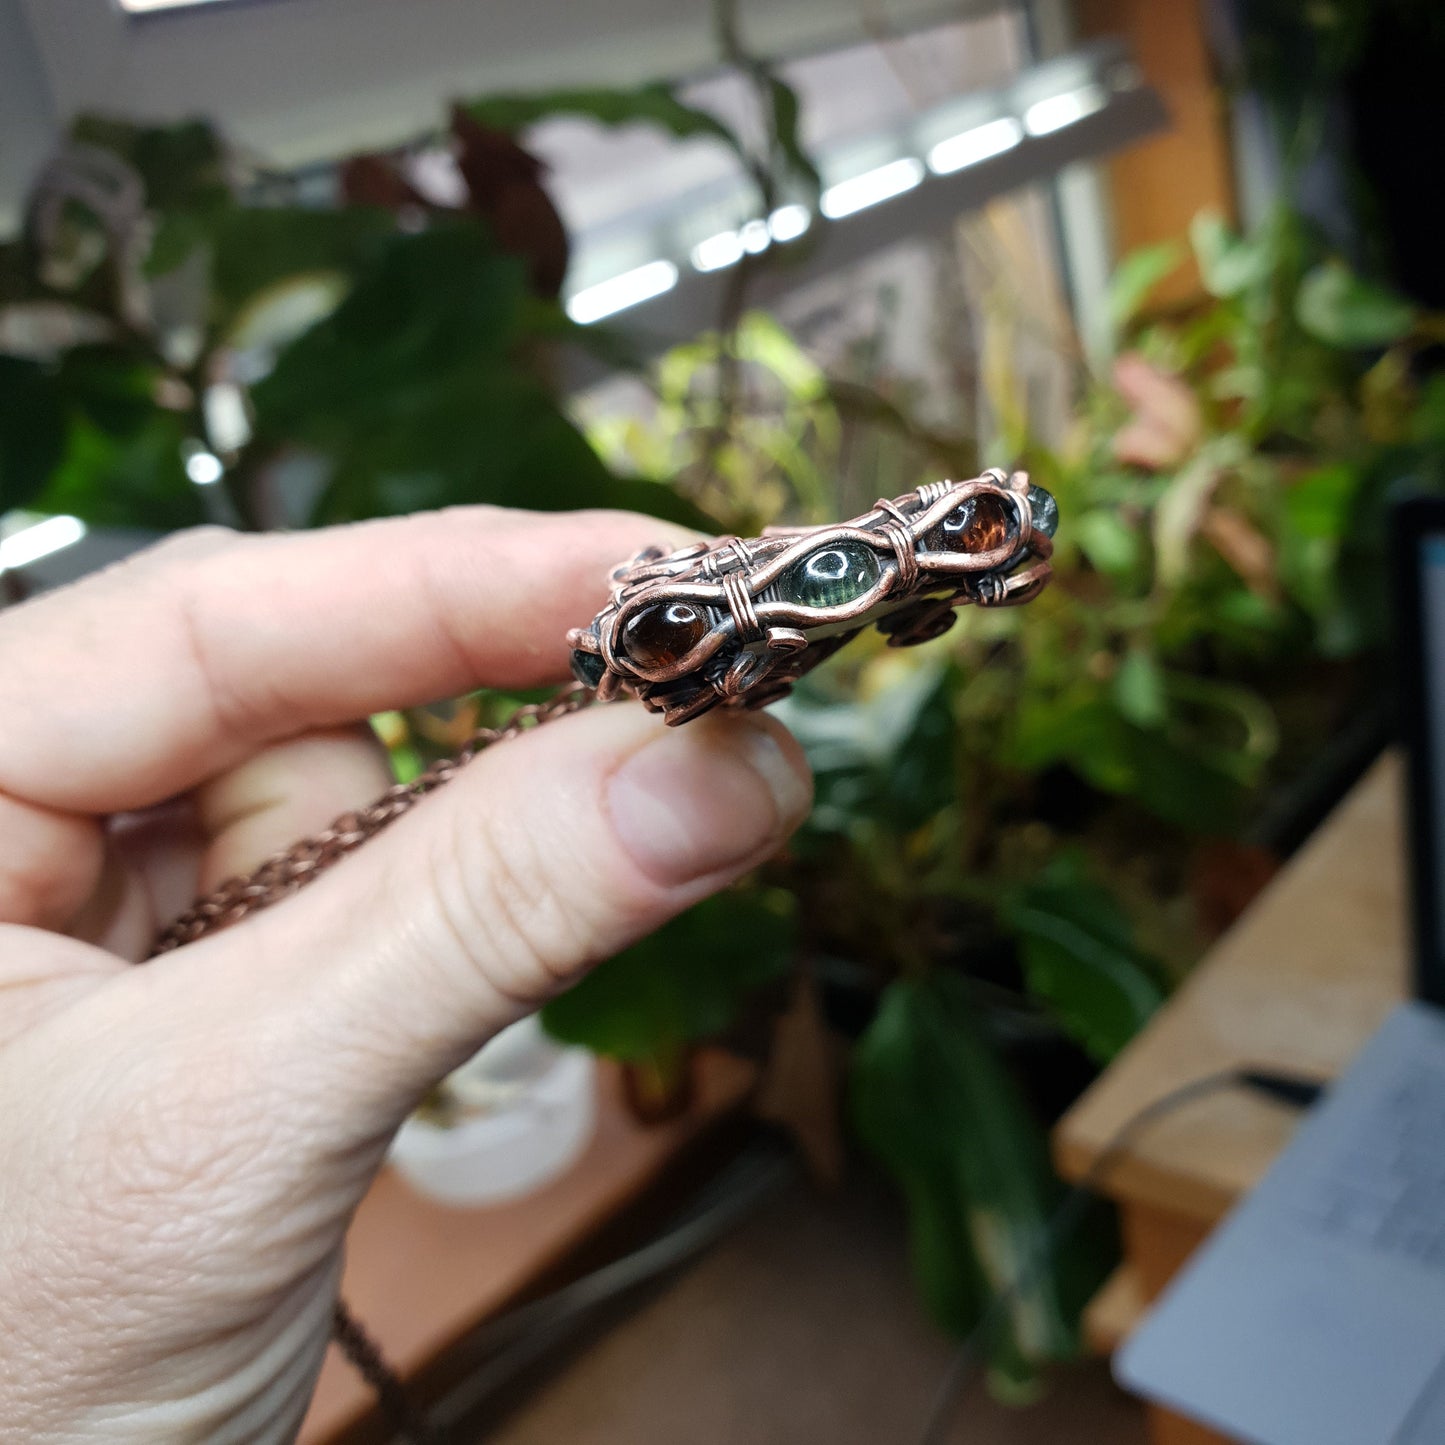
(546, 854)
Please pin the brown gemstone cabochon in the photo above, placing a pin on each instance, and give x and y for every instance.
(660, 635)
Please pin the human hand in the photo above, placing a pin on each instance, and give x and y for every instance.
(182, 1145)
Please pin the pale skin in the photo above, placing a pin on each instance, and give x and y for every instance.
(182, 1144)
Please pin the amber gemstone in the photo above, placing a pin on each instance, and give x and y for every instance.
(659, 635)
(980, 524)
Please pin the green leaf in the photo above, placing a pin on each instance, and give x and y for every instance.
(16, 280)
(1180, 775)
(183, 168)
(887, 760)
(787, 136)
(1136, 276)
(32, 430)
(415, 390)
(258, 249)
(1108, 541)
(433, 310)
(1080, 958)
(688, 981)
(1229, 264)
(110, 386)
(1320, 503)
(180, 164)
(1180, 509)
(1427, 424)
(1139, 689)
(132, 480)
(1342, 309)
(934, 1103)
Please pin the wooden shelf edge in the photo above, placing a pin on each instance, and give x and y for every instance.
(1110, 1317)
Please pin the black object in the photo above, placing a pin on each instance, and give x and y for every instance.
(1418, 547)
(1287, 1089)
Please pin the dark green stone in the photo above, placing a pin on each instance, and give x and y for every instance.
(1044, 511)
(588, 667)
(831, 576)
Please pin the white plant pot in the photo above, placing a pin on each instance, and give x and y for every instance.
(529, 1107)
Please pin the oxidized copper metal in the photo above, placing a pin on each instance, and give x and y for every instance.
(742, 640)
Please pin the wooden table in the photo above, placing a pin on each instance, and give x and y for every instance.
(421, 1275)
(1298, 984)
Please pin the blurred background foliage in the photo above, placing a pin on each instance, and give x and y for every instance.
(1025, 830)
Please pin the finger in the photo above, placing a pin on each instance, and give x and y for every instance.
(161, 859)
(50, 861)
(546, 854)
(40, 973)
(286, 792)
(211, 645)
(64, 879)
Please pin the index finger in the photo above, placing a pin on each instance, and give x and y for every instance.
(138, 683)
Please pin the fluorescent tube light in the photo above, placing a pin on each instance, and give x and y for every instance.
(715, 253)
(1058, 111)
(871, 187)
(727, 248)
(972, 146)
(631, 288)
(787, 223)
(755, 237)
(204, 468)
(30, 545)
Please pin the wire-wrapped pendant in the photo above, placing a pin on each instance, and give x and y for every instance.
(735, 623)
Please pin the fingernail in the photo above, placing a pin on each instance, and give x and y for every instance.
(708, 796)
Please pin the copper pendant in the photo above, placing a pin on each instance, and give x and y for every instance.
(735, 622)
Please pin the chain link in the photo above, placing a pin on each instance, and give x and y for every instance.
(279, 877)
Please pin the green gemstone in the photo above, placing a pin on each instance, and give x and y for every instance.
(1044, 511)
(831, 576)
(588, 667)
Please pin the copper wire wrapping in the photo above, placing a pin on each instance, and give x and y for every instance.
(752, 652)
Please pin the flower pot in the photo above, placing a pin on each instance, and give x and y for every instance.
(511, 1119)
(660, 1089)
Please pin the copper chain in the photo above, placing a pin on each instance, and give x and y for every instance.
(282, 875)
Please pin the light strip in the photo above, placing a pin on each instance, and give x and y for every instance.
(204, 468)
(718, 252)
(1058, 111)
(883, 183)
(631, 288)
(787, 223)
(727, 248)
(144, 7)
(972, 146)
(756, 237)
(30, 545)
(871, 187)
